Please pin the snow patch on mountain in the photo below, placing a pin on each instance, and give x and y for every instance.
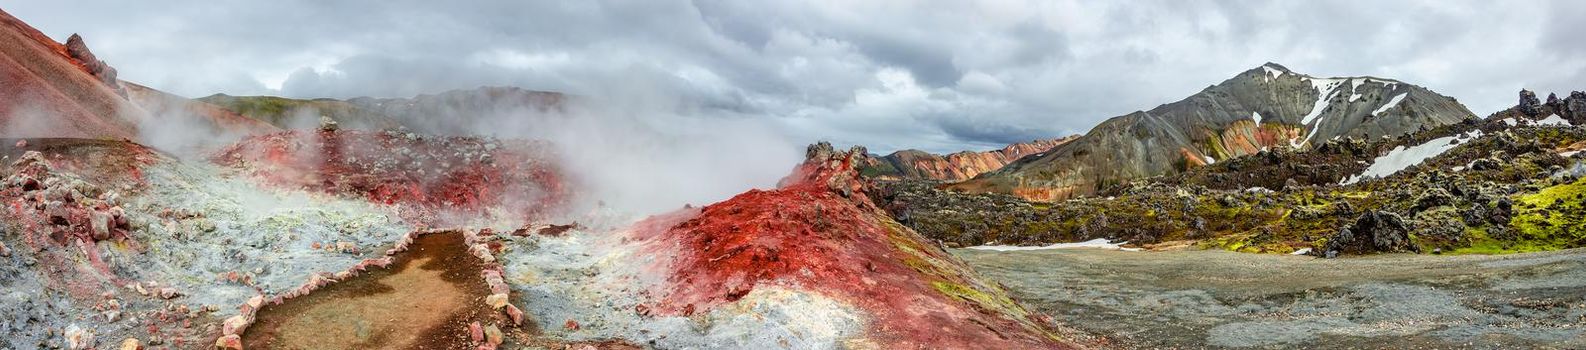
(1273, 73)
(1325, 89)
(1553, 120)
(1401, 158)
(1391, 103)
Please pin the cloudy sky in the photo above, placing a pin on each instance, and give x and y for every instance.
(935, 75)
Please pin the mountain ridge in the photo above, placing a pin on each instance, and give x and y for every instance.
(1261, 108)
(956, 166)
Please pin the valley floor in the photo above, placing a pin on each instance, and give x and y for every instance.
(1217, 299)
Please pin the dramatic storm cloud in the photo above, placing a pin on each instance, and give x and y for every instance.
(939, 76)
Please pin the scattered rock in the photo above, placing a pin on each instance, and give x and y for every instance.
(493, 335)
(515, 314)
(476, 332)
(230, 342)
(169, 293)
(234, 325)
(131, 344)
(78, 338)
(496, 301)
(327, 124)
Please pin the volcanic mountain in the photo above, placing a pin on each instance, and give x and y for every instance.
(959, 166)
(1262, 108)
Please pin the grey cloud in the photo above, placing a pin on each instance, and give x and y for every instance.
(976, 73)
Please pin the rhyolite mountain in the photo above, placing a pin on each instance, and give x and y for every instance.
(1262, 108)
(958, 166)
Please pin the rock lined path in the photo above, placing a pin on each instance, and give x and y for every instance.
(1217, 299)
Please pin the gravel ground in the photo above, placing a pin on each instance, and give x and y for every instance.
(1217, 299)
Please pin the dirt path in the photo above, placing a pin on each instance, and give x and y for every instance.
(1216, 299)
(425, 301)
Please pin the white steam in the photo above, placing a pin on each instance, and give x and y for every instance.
(646, 158)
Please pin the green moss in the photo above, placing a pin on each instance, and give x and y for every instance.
(993, 301)
(1550, 219)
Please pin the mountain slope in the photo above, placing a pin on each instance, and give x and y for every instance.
(44, 92)
(449, 113)
(49, 89)
(916, 164)
(1262, 108)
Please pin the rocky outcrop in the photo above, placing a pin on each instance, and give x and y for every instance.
(1528, 103)
(1263, 108)
(106, 74)
(1372, 232)
(1574, 107)
(920, 165)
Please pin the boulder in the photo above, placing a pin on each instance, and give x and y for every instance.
(131, 344)
(1372, 232)
(327, 124)
(78, 338)
(230, 342)
(1432, 198)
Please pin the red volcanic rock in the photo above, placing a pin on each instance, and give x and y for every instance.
(476, 332)
(431, 179)
(512, 312)
(819, 233)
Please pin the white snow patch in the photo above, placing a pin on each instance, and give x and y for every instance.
(1401, 158)
(1510, 121)
(1256, 117)
(1210, 160)
(1302, 251)
(1391, 103)
(1553, 120)
(1099, 243)
(1273, 72)
(1567, 154)
(1354, 88)
(1258, 189)
(1325, 89)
